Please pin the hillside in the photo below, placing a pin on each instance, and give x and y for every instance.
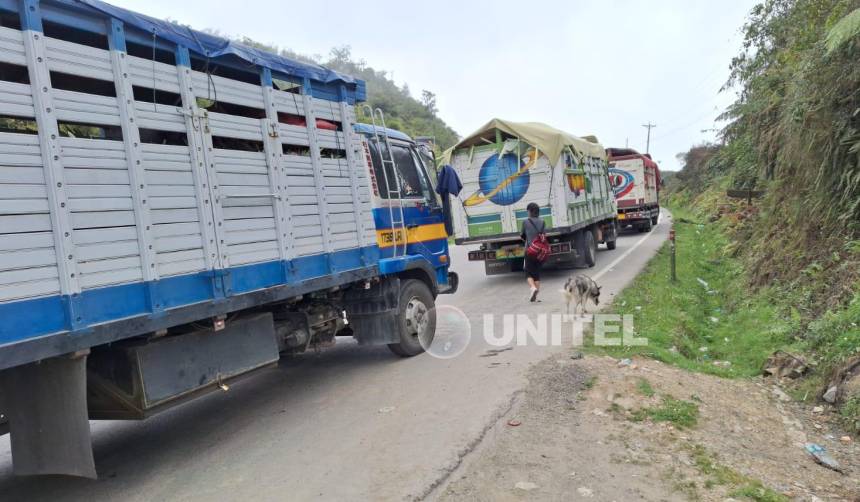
(416, 117)
(793, 133)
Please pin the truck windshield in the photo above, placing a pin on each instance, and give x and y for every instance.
(414, 184)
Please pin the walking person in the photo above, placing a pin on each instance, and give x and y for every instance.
(533, 226)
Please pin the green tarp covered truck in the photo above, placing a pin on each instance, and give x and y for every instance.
(506, 165)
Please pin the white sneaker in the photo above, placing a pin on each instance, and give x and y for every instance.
(534, 294)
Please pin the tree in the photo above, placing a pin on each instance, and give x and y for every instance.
(428, 99)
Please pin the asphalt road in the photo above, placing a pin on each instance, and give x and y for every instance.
(349, 423)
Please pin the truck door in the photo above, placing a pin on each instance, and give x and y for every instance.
(422, 214)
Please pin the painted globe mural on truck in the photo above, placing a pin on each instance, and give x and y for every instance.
(503, 179)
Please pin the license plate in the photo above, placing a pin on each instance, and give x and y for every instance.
(621, 216)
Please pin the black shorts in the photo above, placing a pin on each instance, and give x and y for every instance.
(532, 268)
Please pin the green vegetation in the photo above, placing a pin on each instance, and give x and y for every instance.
(785, 271)
(415, 117)
(589, 384)
(706, 321)
(682, 414)
(645, 388)
(719, 474)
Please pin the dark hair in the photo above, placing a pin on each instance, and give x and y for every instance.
(533, 209)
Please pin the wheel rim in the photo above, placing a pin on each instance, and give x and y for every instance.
(417, 317)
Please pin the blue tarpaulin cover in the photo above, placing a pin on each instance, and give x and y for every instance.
(212, 46)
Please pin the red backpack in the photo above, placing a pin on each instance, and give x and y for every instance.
(539, 248)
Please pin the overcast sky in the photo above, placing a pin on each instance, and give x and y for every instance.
(597, 67)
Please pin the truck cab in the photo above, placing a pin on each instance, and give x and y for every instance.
(410, 225)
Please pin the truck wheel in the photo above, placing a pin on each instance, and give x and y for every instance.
(610, 245)
(655, 218)
(416, 319)
(646, 227)
(590, 248)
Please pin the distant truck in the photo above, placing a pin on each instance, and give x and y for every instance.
(636, 182)
(506, 165)
(178, 211)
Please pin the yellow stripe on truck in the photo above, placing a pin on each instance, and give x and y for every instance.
(386, 238)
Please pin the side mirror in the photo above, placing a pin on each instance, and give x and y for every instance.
(427, 152)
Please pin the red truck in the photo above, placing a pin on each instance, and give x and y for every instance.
(635, 179)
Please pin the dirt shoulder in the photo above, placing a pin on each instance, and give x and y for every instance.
(591, 429)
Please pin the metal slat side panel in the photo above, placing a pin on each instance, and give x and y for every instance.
(80, 60)
(178, 238)
(277, 176)
(53, 169)
(12, 47)
(133, 155)
(288, 102)
(294, 135)
(152, 74)
(101, 197)
(300, 194)
(16, 100)
(316, 163)
(28, 262)
(199, 164)
(236, 171)
(159, 117)
(232, 126)
(86, 108)
(227, 90)
(365, 195)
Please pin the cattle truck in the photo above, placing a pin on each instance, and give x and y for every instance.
(636, 182)
(177, 211)
(506, 165)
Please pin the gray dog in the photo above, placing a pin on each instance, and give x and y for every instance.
(579, 290)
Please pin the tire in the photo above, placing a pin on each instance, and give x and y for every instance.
(655, 218)
(416, 319)
(610, 245)
(646, 227)
(590, 248)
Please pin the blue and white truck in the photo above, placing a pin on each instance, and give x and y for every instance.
(177, 211)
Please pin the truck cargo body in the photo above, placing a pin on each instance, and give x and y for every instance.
(502, 172)
(177, 210)
(636, 182)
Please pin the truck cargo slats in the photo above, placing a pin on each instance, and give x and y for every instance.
(244, 212)
(15, 100)
(23, 259)
(31, 288)
(227, 90)
(31, 273)
(178, 243)
(231, 126)
(25, 223)
(104, 251)
(148, 74)
(12, 47)
(174, 216)
(141, 191)
(189, 202)
(159, 117)
(174, 267)
(110, 277)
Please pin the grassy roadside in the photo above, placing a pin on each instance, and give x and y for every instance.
(711, 321)
(707, 321)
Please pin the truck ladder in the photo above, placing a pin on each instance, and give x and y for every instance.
(398, 223)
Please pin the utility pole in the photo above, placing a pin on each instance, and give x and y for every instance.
(648, 126)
